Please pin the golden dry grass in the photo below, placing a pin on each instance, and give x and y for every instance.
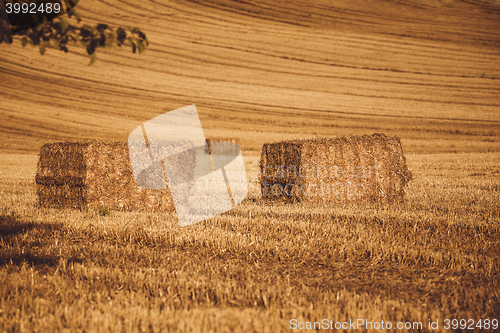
(427, 71)
(258, 266)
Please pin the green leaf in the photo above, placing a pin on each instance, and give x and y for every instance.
(75, 14)
(94, 42)
(141, 46)
(102, 26)
(121, 35)
(90, 50)
(93, 58)
(42, 50)
(64, 24)
(24, 41)
(110, 40)
(133, 44)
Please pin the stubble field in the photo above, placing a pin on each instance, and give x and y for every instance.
(258, 266)
(427, 71)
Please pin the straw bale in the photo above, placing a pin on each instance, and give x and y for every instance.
(99, 174)
(337, 170)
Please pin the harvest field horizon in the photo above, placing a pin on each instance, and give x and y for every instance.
(425, 71)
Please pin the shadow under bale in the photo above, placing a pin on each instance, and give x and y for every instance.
(11, 226)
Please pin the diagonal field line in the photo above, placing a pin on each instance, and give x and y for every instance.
(147, 142)
(228, 187)
(210, 154)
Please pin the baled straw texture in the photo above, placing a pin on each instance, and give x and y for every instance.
(98, 174)
(338, 170)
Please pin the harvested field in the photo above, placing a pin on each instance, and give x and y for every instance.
(355, 169)
(426, 71)
(260, 265)
(269, 71)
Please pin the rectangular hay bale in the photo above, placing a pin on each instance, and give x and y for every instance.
(94, 173)
(338, 170)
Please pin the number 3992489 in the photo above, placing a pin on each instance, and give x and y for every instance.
(33, 8)
(470, 324)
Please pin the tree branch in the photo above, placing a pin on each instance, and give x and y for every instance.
(58, 32)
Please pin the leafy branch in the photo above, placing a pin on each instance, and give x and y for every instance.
(59, 32)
